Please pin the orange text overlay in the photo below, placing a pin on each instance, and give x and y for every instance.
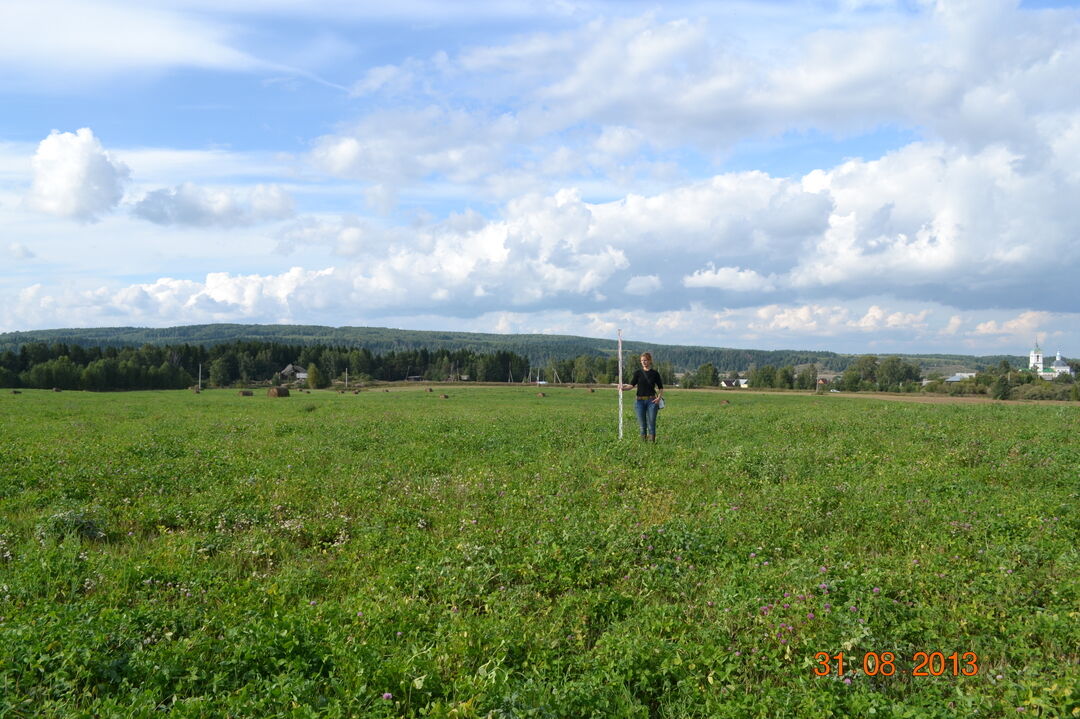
(886, 664)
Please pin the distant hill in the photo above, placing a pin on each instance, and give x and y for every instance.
(538, 348)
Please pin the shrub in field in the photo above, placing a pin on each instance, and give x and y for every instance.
(1041, 390)
(80, 522)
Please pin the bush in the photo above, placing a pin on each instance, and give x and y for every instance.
(72, 521)
(1041, 390)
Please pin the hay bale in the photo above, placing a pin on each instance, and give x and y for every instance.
(444, 396)
(386, 390)
(246, 393)
(591, 390)
(430, 390)
(15, 391)
(356, 391)
(278, 392)
(726, 401)
(541, 394)
(56, 389)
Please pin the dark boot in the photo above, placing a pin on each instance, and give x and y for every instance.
(651, 438)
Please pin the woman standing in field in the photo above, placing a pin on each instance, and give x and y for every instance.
(650, 390)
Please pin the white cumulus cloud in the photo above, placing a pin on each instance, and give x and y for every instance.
(191, 205)
(729, 278)
(1025, 324)
(75, 177)
(643, 285)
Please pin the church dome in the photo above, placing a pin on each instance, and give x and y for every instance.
(1060, 363)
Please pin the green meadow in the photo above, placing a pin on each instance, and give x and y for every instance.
(501, 554)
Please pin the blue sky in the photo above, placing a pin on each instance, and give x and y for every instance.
(852, 175)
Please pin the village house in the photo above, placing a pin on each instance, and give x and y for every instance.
(293, 373)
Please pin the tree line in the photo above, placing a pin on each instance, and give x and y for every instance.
(540, 350)
(71, 366)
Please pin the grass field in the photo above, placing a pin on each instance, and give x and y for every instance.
(501, 554)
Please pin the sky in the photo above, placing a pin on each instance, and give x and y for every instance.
(860, 176)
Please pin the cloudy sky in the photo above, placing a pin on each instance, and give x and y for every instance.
(847, 175)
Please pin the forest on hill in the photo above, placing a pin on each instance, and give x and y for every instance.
(539, 349)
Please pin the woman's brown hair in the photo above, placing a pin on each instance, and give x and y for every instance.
(646, 355)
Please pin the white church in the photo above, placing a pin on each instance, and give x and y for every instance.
(1035, 364)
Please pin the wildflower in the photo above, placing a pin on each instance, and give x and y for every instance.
(388, 696)
(783, 641)
(787, 606)
(877, 589)
(753, 554)
(847, 680)
(787, 594)
(823, 570)
(854, 609)
(810, 615)
(828, 607)
(822, 586)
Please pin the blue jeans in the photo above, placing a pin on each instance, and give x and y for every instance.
(645, 409)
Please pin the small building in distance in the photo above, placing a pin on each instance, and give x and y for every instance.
(959, 377)
(293, 373)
